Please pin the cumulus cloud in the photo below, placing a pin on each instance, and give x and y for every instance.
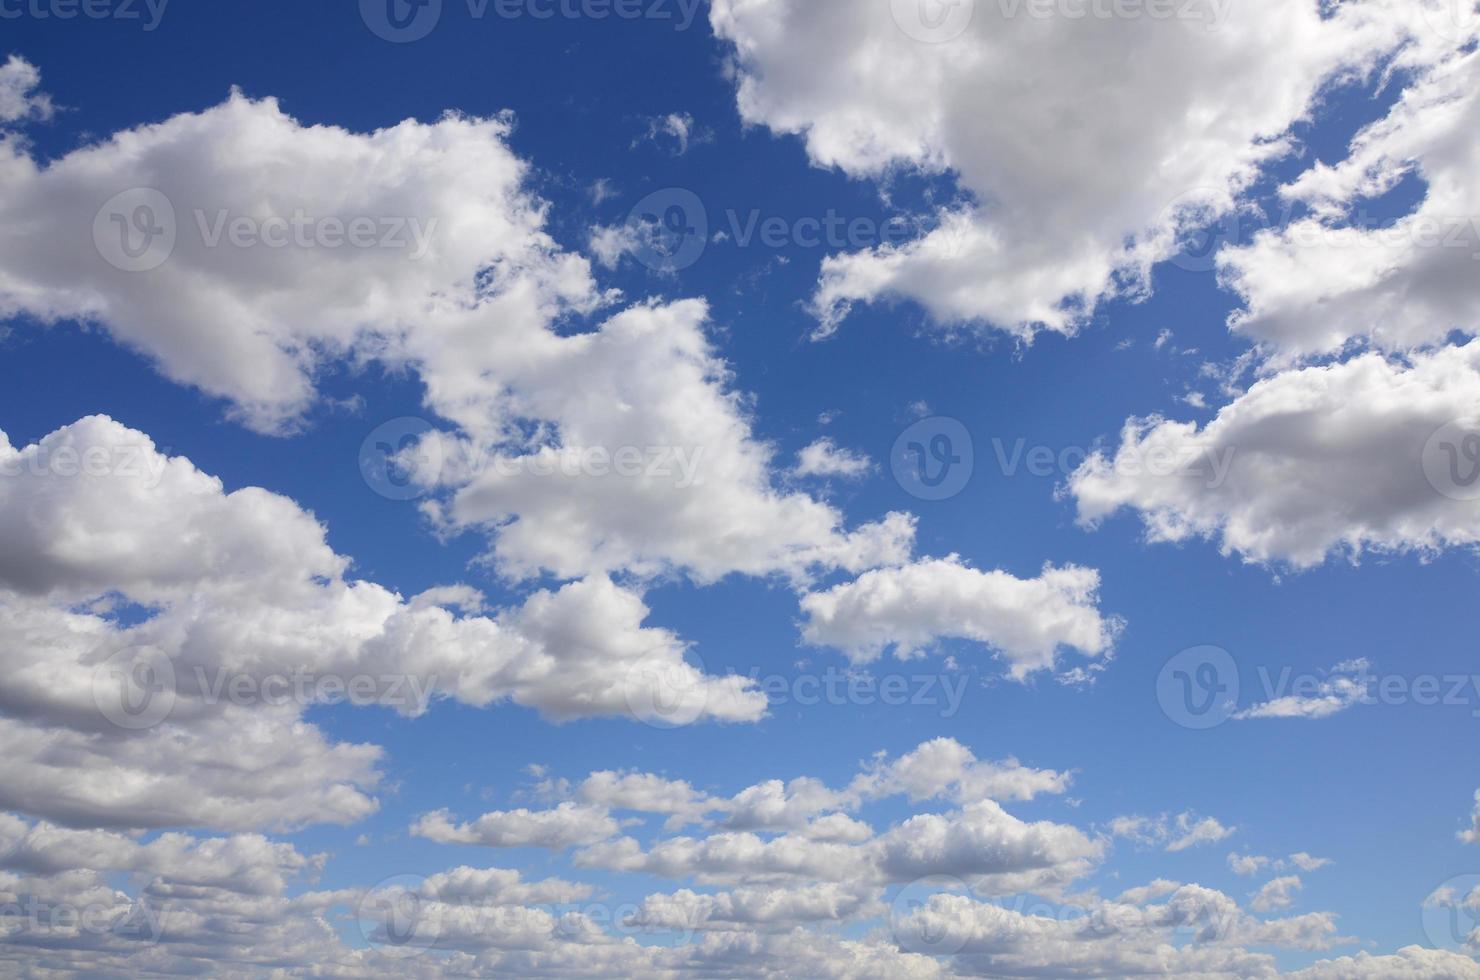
(243, 594)
(1335, 459)
(1276, 894)
(826, 458)
(461, 285)
(966, 892)
(1173, 833)
(1472, 834)
(19, 98)
(1347, 684)
(1026, 622)
(1074, 187)
(565, 826)
(1323, 282)
(698, 497)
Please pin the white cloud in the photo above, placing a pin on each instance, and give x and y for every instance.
(944, 768)
(1341, 458)
(752, 904)
(19, 99)
(1247, 864)
(1472, 834)
(567, 825)
(1026, 622)
(1410, 963)
(249, 324)
(1076, 185)
(703, 501)
(676, 127)
(1174, 833)
(1253, 864)
(1276, 894)
(1347, 684)
(825, 458)
(1315, 286)
(243, 587)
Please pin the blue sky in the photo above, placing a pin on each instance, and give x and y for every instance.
(1326, 553)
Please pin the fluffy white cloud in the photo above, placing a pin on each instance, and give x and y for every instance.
(1024, 621)
(1276, 894)
(567, 825)
(970, 892)
(1341, 458)
(782, 908)
(463, 286)
(695, 496)
(826, 458)
(1347, 684)
(944, 768)
(1174, 833)
(250, 621)
(1252, 864)
(646, 793)
(249, 322)
(1409, 963)
(1472, 834)
(1320, 283)
(19, 98)
(1076, 184)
